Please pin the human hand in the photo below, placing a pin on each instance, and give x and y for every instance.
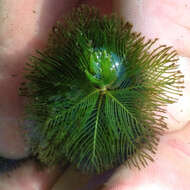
(30, 32)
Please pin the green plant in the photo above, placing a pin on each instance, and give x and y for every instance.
(98, 93)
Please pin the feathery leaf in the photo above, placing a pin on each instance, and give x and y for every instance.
(97, 93)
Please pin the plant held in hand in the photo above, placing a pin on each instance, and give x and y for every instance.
(98, 92)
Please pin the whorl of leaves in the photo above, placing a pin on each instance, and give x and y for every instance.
(99, 128)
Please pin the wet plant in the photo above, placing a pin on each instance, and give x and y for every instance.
(98, 92)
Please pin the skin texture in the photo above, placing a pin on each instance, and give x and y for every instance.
(24, 28)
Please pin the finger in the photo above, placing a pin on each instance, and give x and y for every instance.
(163, 19)
(170, 170)
(179, 113)
(25, 27)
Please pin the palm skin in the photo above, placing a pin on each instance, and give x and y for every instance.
(168, 155)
